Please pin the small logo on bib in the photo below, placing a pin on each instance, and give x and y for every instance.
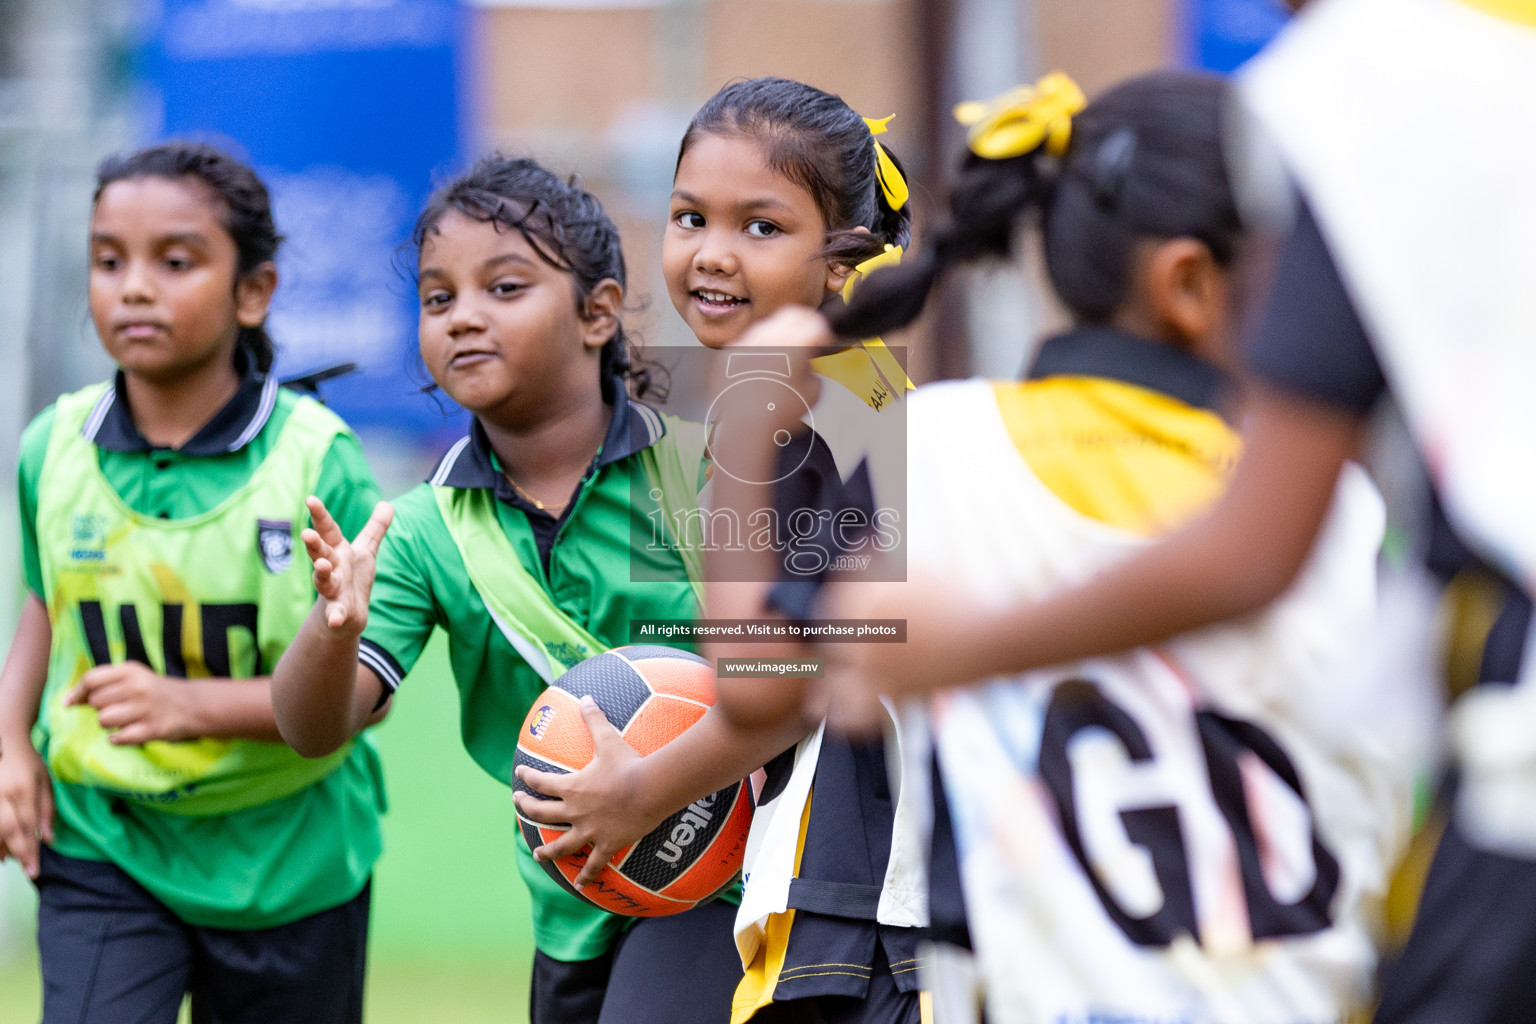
(275, 539)
(88, 538)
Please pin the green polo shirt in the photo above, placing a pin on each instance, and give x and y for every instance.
(265, 865)
(583, 560)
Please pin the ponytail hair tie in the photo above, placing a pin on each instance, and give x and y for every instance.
(892, 185)
(1111, 165)
(1023, 119)
(889, 258)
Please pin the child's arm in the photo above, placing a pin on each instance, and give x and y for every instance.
(321, 694)
(26, 792)
(621, 796)
(800, 333)
(1236, 559)
(141, 705)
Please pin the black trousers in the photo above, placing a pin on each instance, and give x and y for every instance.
(682, 969)
(113, 954)
(1471, 957)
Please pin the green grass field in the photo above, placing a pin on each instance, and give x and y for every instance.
(450, 938)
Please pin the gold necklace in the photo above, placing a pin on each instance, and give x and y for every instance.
(530, 499)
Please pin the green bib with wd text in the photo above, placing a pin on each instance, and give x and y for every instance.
(214, 595)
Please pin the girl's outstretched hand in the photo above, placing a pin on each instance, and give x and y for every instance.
(26, 805)
(343, 570)
(599, 802)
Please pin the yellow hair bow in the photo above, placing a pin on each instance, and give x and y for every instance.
(1021, 119)
(891, 182)
(889, 258)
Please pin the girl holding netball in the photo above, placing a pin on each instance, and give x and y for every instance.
(519, 547)
(177, 844)
(1178, 832)
(781, 194)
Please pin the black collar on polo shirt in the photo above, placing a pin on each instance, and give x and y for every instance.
(110, 425)
(1092, 351)
(471, 462)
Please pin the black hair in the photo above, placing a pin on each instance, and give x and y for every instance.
(816, 140)
(1144, 161)
(562, 222)
(245, 211)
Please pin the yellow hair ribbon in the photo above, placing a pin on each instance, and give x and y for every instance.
(891, 182)
(1020, 120)
(889, 258)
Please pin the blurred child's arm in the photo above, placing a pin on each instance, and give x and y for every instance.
(26, 792)
(140, 705)
(1236, 559)
(321, 695)
(757, 703)
(760, 703)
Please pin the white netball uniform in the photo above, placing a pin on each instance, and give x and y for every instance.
(1420, 163)
(1195, 833)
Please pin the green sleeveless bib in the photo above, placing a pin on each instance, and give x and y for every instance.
(220, 594)
(548, 639)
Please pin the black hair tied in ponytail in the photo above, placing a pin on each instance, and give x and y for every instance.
(245, 211)
(1144, 160)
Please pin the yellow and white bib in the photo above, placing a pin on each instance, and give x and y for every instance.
(1193, 833)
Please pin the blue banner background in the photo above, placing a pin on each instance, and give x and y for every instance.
(1222, 34)
(347, 108)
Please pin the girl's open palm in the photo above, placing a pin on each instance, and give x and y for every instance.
(343, 569)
